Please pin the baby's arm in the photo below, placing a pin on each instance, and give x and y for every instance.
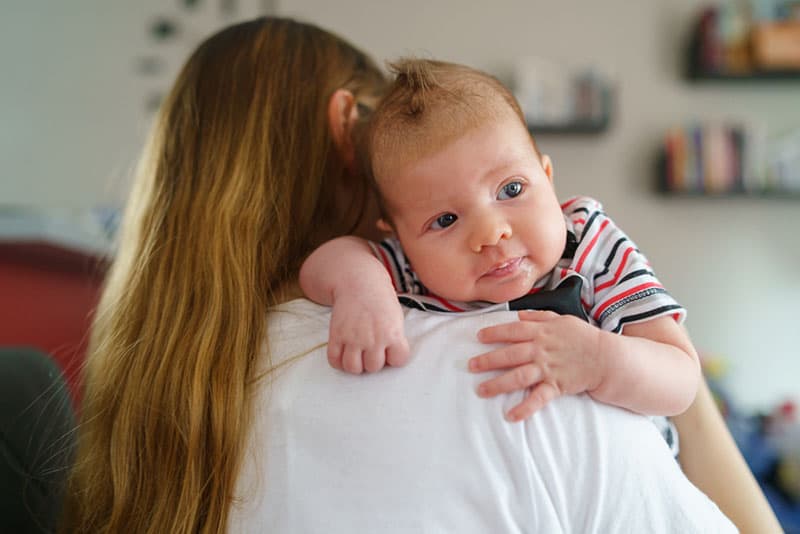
(366, 329)
(652, 368)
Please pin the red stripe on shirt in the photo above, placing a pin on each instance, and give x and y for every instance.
(616, 274)
(569, 203)
(387, 265)
(616, 298)
(592, 243)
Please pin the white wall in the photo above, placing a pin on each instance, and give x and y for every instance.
(72, 121)
(67, 124)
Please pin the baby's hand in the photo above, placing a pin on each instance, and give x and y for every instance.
(551, 354)
(367, 333)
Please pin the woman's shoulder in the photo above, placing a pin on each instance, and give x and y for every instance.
(301, 306)
(295, 327)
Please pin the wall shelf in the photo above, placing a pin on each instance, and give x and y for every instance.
(728, 44)
(696, 75)
(693, 186)
(767, 195)
(580, 125)
(568, 128)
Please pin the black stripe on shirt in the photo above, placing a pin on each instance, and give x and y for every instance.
(639, 295)
(635, 274)
(408, 302)
(646, 315)
(570, 247)
(589, 223)
(610, 258)
(400, 272)
(419, 289)
(579, 210)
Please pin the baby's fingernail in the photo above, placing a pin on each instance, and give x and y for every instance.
(473, 365)
(512, 417)
(482, 390)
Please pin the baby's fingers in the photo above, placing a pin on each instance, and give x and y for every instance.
(537, 315)
(374, 359)
(502, 358)
(508, 332)
(540, 395)
(352, 360)
(335, 355)
(520, 377)
(397, 353)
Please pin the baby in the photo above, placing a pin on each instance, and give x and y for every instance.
(475, 222)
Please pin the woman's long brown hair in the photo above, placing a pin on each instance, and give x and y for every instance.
(239, 181)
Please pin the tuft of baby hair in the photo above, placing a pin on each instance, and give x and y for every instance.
(417, 77)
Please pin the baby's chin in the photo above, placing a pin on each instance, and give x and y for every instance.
(494, 290)
(493, 297)
(507, 292)
(506, 296)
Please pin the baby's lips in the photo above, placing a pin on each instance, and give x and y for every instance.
(504, 267)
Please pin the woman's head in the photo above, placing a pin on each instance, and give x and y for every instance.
(241, 178)
(245, 140)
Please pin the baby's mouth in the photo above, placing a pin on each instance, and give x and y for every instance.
(505, 268)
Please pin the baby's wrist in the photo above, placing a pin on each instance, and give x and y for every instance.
(367, 283)
(604, 356)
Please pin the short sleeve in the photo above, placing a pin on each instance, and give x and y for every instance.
(623, 287)
(404, 280)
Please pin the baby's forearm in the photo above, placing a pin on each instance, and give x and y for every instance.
(342, 264)
(653, 370)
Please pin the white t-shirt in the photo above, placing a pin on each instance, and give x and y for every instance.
(414, 449)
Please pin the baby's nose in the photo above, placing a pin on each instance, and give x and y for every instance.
(489, 231)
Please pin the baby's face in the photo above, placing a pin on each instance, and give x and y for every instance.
(479, 219)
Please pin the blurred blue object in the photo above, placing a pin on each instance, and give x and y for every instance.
(755, 438)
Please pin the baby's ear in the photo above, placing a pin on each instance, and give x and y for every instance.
(547, 165)
(384, 226)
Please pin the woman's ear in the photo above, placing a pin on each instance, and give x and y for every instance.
(342, 114)
(384, 226)
(547, 165)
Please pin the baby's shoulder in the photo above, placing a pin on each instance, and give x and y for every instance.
(580, 213)
(580, 206)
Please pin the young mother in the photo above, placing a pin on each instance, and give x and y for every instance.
(250, 166)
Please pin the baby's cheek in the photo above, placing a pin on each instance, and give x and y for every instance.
(549, 244)
(447, 280)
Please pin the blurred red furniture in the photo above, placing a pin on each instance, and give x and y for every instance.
(47, 296)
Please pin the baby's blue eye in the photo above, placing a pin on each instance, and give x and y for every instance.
(510, 190)
(443, 221)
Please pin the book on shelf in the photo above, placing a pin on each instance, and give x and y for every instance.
(718, 158)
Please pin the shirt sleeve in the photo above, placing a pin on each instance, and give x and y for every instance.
(404, 279)
(623, 287)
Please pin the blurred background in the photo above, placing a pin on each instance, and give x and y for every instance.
(682, 117)
(670, 113)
